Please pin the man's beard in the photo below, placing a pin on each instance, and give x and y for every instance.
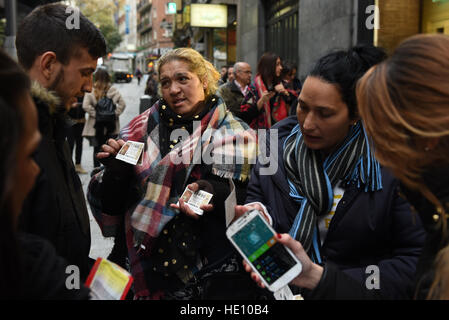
(59, 78)
(58, 83)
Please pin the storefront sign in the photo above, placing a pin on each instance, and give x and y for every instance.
(209, 15)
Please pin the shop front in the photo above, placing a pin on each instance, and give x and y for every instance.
(401, 19)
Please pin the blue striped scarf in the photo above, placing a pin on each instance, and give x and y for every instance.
(312, 179)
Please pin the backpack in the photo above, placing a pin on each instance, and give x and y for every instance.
(105, 110)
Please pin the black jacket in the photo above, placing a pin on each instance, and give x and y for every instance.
(374, 228)
(44, 273)
(56, 208)
(437, 180)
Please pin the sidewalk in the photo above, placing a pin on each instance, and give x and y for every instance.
(131, 92)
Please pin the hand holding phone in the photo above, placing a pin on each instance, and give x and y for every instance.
(256, 241)
(311, 273)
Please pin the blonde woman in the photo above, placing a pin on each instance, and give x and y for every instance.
(97, 133)
(404, 103)
(173, 252)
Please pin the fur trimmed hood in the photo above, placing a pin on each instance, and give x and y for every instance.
(48, 97)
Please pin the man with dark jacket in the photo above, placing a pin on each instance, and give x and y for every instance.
(60, 60)
(234, 91)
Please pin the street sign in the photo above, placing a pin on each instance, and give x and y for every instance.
(171, 8)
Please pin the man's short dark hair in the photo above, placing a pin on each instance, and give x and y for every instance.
(45, 29)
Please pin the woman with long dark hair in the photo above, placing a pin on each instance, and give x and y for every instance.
(342, 210)
(267, 100)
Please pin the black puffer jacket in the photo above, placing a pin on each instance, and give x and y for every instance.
(56, 208)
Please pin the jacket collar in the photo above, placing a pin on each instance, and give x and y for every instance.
(47, 97)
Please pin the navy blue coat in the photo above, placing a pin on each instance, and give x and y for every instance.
(368, 228)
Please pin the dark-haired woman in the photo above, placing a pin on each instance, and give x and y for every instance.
(267, 100)
(97, 133)
(29, 265)
(357, 236)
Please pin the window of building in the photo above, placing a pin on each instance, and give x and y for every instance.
(281, 29)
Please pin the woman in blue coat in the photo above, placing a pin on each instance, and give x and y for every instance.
(358, 237)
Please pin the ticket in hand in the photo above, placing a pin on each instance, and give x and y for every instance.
(108, 281)
(131, 152)
(196, 199)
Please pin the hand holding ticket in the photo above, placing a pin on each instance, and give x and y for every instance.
(194, 200)
(131, 152)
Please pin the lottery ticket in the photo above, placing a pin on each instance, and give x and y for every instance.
(131, 152)
(196, 199)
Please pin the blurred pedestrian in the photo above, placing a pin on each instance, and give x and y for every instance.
(60, 62)
(98, 132)
(151, 88)
(287, 76)
(267, 101)
(231, 76)
(29, 264)
(138, 75)
(74, 135)
(234, 92)
(223, 75)
(404, 103)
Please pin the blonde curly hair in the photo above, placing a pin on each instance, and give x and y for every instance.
(205, 71)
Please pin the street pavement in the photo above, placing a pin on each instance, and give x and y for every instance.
(131, 93)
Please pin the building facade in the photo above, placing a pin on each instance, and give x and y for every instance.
(126, 19)
(211, 29)
(155, 26)
(299, 31)
(302, 30)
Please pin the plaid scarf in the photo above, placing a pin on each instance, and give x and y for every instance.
(234, 149)
(312, 179)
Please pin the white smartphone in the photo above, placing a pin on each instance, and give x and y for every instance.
(256, 241)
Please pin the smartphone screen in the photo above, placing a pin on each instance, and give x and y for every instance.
(259, 245)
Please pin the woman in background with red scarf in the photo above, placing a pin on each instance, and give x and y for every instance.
(267, 100)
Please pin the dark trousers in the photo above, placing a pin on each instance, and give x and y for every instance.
(75, 140)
